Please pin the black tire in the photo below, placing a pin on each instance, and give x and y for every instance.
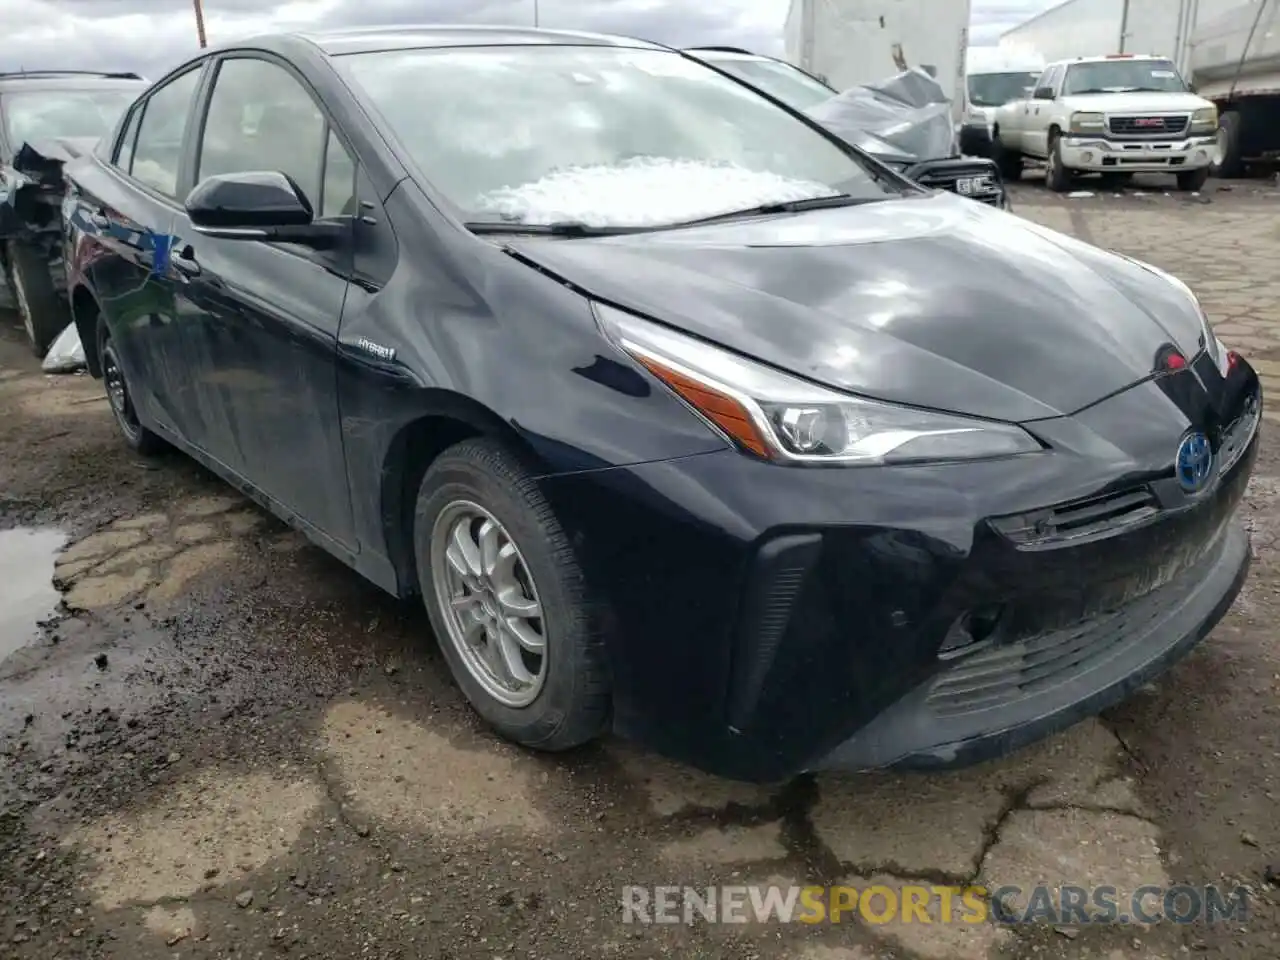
(1232, 163)
(138, 437)
(573, 704)
(1193, 180)
(44, 314)
(1056, 177)
(1009, 161)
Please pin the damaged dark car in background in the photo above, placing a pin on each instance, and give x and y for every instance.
(47, 119)
(904, 121)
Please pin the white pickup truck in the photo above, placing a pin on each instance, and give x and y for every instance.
(1119, 115)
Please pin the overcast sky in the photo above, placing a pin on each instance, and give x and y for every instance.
(151, 35)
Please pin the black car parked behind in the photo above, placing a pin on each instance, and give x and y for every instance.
(683, 418)
(77, 107)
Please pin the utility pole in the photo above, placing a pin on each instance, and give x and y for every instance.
(200, 23)
(535, 12)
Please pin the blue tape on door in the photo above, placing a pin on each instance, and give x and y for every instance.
(161, 245)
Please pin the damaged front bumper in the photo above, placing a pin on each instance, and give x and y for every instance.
(32, 191)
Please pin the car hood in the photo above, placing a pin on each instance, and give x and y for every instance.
(1135, 102)
(935, 301)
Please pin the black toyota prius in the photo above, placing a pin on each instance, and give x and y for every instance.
(683, 418)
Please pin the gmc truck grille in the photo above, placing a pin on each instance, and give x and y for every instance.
(1149, 126)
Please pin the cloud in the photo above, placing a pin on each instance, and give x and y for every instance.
(152, 35)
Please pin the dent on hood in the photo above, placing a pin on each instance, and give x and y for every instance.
(644, 192)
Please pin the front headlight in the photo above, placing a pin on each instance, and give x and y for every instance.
(1087, 122)
(1205, 120)
(779, 417)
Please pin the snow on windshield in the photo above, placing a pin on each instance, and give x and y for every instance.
(645, 191)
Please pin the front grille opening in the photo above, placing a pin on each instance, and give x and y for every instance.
(1091, 517)
(971, 631)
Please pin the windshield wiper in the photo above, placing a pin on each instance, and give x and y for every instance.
(561, 228)
(784, 206)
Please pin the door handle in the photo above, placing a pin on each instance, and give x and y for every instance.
(184, 261)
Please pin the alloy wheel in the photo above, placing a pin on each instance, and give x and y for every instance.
(489, 603)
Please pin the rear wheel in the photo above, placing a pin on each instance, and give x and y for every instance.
(135, 434)
(44, 314)
(508, 600)
(1193, 179)
(1056, 177)
(1227, 155)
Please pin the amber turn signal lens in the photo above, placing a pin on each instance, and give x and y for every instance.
(722, 410)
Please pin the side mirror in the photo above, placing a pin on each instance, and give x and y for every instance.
(1191, 88)
(255, 205)
(1044, 93)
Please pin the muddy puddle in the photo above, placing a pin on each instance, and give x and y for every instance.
(27, 594)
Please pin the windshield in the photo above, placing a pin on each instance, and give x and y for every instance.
(605, 136)
(1114, 76)
(40, 114)
(793, 87)
(997, 89)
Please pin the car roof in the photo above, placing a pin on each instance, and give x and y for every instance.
(369, 39)
(69, 80)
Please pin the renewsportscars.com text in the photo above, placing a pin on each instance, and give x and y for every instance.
(919, 903)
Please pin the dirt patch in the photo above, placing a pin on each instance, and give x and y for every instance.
(149, 556)
(673, 788)
(207, 831)
(730, 845)
(1074, 847)
(408, 775)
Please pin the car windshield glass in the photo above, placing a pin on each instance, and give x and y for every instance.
(1108, 76)
(997, 89)
(39, 114)
(793, 87)
(606, 136)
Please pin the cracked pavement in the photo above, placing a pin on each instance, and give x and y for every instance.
(221, 743)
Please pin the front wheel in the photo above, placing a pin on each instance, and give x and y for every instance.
(43, 312)
(1193, 180)
(508, 600)
(138, 437)
(1056, 176)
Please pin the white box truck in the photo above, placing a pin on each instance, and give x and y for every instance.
(1093, 28)
(851, 42)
